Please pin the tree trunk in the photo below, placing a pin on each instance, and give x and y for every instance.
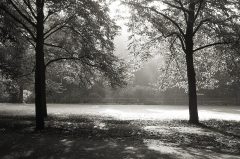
(193, 110)
(44, 96)
(20, 95)
(40, 68)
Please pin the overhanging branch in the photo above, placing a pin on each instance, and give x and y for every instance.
(57, 27)
(210, 45)
(168, 18)
(18, 21)
(21, 14)
(181, 7)
(28, 3)
(63, 58)
(159, 13)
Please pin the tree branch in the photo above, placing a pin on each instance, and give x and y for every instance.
(28, 3)
(53, 31)
(199, 9)
(63, 58)
(168, 18)
(184, 12)
(55, 28)
(180, 39)
(18, 21)
(157, 12)
(181, 7)
(199, 25)
(27, 74)
(53, 12)
(59, 47)
(210, 45)
(21, 14)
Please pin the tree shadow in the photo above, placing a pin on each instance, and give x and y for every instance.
(90, 139)
(93, 137)
(219, 130)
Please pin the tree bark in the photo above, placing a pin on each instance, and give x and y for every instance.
(40, 68)
(44, 96)
(192, 93)
(20, 95)
(193, 110)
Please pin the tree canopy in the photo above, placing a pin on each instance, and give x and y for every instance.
(186, 27)
(79, 31)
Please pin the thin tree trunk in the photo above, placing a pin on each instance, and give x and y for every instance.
(40, 68)
(193, 110)
(20, 95)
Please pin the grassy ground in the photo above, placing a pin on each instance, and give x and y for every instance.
(93, 137)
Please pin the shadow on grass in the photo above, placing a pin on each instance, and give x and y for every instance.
(73, 137)
(93, 137)
(220, 130)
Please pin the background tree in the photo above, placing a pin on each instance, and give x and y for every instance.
(182, 23)
(14, 61)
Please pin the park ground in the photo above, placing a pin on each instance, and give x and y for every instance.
(120, 132)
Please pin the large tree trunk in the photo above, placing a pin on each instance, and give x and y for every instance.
(193, 110)
(44, 96)
(40, 68)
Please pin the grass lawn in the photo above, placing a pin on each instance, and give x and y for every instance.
(93, 137)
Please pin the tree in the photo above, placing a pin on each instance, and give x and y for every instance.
(172, 72)
(79, 30)
(13, 59)
(188, 25)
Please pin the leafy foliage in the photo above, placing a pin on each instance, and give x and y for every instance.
(78, 34)
(160, 27)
